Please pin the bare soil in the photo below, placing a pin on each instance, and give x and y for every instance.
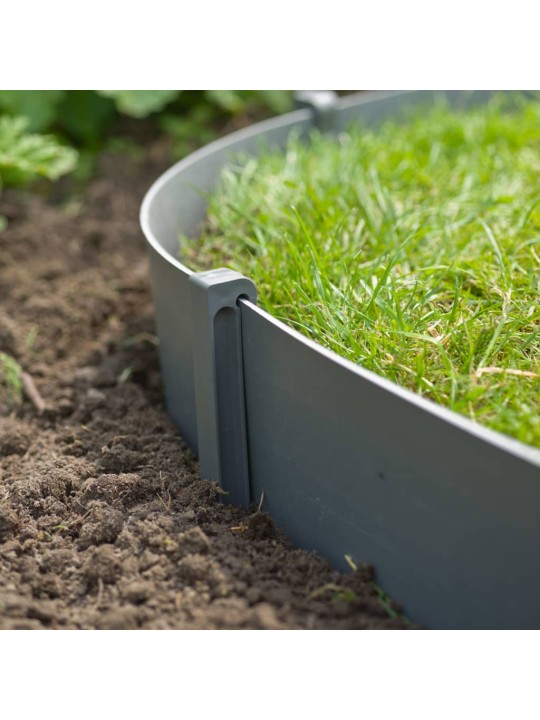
(104, 519)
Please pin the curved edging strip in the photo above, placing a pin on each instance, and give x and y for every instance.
(349, 463)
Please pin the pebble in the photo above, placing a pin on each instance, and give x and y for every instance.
(95, 397)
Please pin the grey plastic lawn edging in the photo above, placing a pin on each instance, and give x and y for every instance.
(349, 463)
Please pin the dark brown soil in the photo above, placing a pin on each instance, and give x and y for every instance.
(104, 519)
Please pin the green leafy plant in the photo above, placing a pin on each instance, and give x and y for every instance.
(86, 118)
(24, 155)
(413, 250)
(84, 114)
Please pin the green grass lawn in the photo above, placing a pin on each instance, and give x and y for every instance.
(413, 251)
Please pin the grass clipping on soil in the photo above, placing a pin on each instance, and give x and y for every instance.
(413, 251)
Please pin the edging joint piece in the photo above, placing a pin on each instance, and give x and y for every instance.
(322, 103)
(219, 379)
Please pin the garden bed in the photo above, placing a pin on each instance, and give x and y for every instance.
(347, 462)
(104, 519)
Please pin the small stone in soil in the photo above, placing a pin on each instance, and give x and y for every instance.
(95, 397)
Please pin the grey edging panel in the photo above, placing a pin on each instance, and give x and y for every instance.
(446, 510)
(171, 293)
(348, 462)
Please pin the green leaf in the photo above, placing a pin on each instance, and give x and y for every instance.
(24, 156)
(140, 103)
(84, 115)
(38, 106)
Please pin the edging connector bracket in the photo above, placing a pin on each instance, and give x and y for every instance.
(322, 104)
(219, 379)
